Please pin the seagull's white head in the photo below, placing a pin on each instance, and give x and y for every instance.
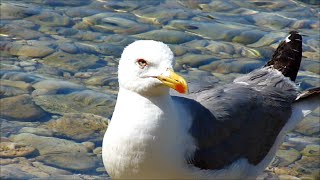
(146, 67)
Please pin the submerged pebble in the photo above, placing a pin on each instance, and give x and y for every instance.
(21, 108)
(79, 126)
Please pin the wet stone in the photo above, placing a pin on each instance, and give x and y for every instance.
(49, 145)
(166, 36)
(9, 91)
(20, 32)
(50, 19)
(309, 126)
(102, 48)
(232, 66)
(72, 62)
(18, 84)
(55, 87)
(111, 22)
(68, 48)
(17, 10)
(71, 161)
(86, 101)
(212, 30)
(311, 150)
(89, 145)
(97, 150)
(20, 76)
(156, 15)
(37, 131)
(15, 171)
(11, 149)
(80, 126)
(21, 108)
(309, 164)
(287, 157)
(194, 60)
(21, 49)
(248, 37)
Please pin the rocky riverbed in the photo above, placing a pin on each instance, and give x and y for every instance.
(58, 73)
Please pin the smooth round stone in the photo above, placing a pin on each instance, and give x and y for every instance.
(287, 156)
(271, 20)
(21, 108)
(89, 145)
(309, 126)
(16, 171)
(195, 60)
(248, 37)
(166, 36)
(84, 11)
(20, 49)
(309, 164)
(9, 67)
(268, 39)
(155, 14)
(50, 19)
(226, 66)
(103, 81)
(101, 170)
(49, 145)
(29, 68)
(55, 87)
(8, 91)
(178, 50)
(68, 48)
(312, 66)
(106, 49)
(220, 47)
(11, 149)
(72, 62)
(83, 75)
(17, 10)
(49, 169)
(20, 76)
(86, 101)
(210, 30)
(117, 23)
(80, 127)
(75, 161)
(37, 131)
(311, 150)
(285, 171)
(97, 150)
(27, 63)
(20, 32)
(120, 6)
(288, 177)
(18, 84)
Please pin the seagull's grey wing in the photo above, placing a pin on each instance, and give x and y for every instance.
(239, 120)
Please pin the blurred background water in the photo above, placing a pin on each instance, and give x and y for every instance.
(59, 62)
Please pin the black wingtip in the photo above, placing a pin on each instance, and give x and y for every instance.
(287, 57)
(313, 92)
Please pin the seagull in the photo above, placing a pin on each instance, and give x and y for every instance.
(227, 132)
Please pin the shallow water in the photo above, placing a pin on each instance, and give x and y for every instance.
(59, 73)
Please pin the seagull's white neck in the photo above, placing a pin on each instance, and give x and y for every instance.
(143, 125)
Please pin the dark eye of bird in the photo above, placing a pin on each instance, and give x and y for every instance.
(142, 63)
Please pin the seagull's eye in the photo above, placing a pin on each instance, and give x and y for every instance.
(142, 63)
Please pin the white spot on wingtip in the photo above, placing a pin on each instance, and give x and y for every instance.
(240, 82)
(287, 38)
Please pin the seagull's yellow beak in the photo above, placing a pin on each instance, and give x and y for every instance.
(174, 81)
